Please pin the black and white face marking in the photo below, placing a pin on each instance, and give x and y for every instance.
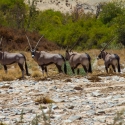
(100, 56)
(33, 53)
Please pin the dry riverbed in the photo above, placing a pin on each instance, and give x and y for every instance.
(64, 99)
(75, 100)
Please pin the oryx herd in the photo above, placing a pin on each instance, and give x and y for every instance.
(44, 59)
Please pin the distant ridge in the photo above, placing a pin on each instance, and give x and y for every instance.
(67, 6)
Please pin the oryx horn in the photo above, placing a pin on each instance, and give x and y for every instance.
(107, 44)
(75, 43)
(28, 42)
(67, 48)
(38, 42)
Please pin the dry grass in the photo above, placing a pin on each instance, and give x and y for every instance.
(36, 74)
(2, 123)
(44, 100)
(34, 67)
(7, 78)
(13, 73)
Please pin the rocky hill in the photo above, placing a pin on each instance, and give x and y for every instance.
(68, 5)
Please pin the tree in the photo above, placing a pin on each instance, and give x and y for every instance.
(110, 11)
(32, 12)
(13, 12)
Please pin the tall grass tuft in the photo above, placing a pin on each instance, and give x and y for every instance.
(44, 100)
(36, 74)
(119, 118)
(43, 117)
(69, 70)
(1, 123)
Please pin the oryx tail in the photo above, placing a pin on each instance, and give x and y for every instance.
(26, 67)
(65, 67)
(90, 68)
(117, 57)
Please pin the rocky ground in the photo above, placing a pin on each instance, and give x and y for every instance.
(76, 100)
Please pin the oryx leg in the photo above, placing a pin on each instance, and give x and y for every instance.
(86, 71)
(46, 71)
(84, 67)
(114, 68)
(87, 67)
(5, 68)
(118, 66)
(73, 70)
(22, 69)
(78, 71)
(43, 68)
(78, 68)
(106, 68)
(59, 68)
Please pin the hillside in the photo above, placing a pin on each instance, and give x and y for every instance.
(68, 5)
(16, 39)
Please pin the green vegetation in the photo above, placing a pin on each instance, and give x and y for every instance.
(45, 117)
(119, 118)
(69, 71)
(66, 29)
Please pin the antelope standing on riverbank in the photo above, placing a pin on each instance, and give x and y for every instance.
(75, 59)
(7, 58)
(44, 59)
(110, 59)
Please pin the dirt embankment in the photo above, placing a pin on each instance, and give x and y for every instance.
(16, 40)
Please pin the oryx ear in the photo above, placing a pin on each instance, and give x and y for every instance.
(28, 49)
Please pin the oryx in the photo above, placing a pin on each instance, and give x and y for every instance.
(7, 58)
(75, 59)
(110, 59)
(45, 58)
